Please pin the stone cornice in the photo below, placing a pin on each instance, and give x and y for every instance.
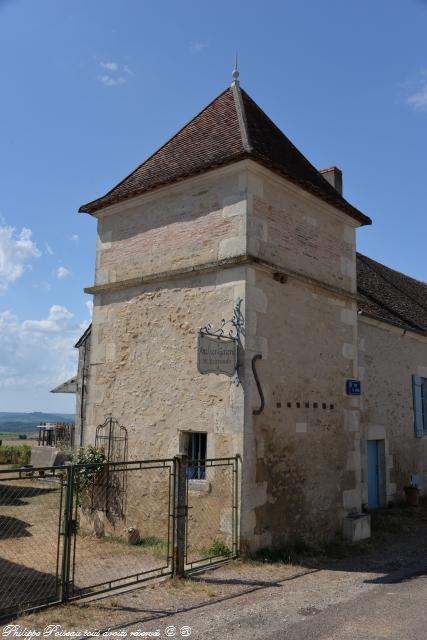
(281, 274)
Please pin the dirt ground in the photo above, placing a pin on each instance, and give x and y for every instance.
(31, 549)
(241, 598)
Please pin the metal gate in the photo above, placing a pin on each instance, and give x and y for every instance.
(120, 538)
(78, 530)
(212, 512)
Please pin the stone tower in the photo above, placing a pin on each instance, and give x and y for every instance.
(230, 208)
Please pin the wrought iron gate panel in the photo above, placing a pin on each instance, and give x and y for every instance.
(31, 541)
(212, 522)
(116, 548)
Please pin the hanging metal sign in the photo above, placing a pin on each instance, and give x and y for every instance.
(218, 350)
(216, 354)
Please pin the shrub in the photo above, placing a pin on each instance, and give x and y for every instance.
(218, 548)
(93, 460)
(15, 454)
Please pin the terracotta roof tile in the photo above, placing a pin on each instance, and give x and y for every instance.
(391, 296)
(230, 128)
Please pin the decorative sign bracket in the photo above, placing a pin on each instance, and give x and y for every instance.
(218, 349)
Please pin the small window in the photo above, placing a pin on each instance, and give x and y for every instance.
(419, 391)
(197, 455)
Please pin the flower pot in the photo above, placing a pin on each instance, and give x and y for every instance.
(412, 496)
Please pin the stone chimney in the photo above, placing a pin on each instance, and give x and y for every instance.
(334, 176)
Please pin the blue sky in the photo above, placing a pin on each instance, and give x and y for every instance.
(91, 88)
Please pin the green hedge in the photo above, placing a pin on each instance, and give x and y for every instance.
(15, 454)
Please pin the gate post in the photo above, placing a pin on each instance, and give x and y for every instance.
(67, 533)
(180, 520)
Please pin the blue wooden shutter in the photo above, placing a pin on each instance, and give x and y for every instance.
(417, 390)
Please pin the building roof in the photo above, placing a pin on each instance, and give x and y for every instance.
(84, 337)
(230, 128)
(70, 386)
(391, 296)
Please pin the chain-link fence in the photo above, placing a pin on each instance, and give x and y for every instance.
(67, 532)
(122, 524)
(212, 504)
(31, 507)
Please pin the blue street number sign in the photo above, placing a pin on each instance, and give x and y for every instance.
(353, 387)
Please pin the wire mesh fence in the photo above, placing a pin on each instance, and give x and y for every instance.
(31, 507)
(71, 531)
(122, 525)
(212, 524)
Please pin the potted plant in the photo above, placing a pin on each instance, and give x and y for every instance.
(412, 494)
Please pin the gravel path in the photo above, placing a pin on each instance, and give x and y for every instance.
(319, 599)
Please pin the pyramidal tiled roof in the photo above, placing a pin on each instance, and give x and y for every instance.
(391, 296)
(230, 128)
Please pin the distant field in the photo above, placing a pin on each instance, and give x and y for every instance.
(15, 436)
(14, 423)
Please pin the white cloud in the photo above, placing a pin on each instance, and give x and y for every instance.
(418, 100)
(75, 237)
(48, 249)
(59, 319)
(37, 354)
(418, 97)
(110, 81)
(89, 304)
(118, 74)
(62, 272)
(16, 251)
(197, 47)
(111, 66)
(44, 285)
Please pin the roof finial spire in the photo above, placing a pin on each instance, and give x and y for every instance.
(235, 74)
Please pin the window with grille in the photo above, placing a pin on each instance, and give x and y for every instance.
(197, 455)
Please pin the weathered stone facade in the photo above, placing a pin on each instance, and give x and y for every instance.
(388, 357)
(170, 261)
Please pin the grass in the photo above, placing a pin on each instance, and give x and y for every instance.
(217, 548)
(15, 454)
(14, 435)
(385, 524)
(308, 555)
(156, 545)
(397, 519)
(293, 554)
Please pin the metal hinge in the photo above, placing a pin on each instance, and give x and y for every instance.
(72, 526)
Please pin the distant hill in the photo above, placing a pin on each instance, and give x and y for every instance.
(21, 422)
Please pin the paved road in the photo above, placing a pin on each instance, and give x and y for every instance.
(396, 610)
(321, 605)
(382, 596)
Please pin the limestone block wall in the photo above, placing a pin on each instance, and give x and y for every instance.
(295, 230)
(144, 372)
(144, 365)
(304, 447)
(302, 454)
(200, 221)
(388, 358)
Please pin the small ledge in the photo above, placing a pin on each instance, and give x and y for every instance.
(201, 486)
